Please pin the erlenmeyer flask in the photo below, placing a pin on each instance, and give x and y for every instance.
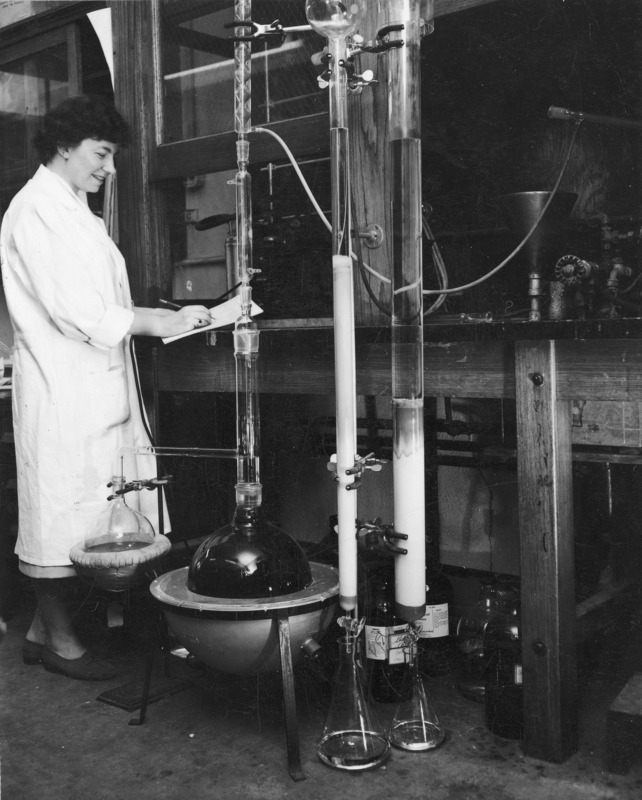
(352, 738)
(415, 725)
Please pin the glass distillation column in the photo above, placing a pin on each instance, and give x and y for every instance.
(415, 725)
(404, 93)
(246, 334)
(352, 738)
(249, 558)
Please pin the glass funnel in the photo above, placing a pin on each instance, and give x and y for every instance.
(352, 738)
(415, 725)
(119, 527)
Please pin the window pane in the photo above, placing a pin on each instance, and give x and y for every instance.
(198, 67)
(28, 88)
(34, 83)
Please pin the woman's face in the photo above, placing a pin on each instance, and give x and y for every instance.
(87, 165)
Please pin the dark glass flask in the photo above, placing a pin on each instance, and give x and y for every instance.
(385, 636)
(503, 688)
(250, 558)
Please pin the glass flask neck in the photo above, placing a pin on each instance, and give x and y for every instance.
(247, 519)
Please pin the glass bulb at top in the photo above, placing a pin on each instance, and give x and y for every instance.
(332, 19)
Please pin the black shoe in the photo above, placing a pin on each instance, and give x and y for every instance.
(32, 653)
(85, 668)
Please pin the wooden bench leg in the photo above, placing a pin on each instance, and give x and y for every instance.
(545, 490)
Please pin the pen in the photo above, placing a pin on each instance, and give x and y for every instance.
(171, 305)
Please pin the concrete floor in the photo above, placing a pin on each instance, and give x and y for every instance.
(223, 737)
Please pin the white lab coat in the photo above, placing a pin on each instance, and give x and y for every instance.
(74, 397)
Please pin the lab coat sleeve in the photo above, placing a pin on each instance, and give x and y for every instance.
(60, 261)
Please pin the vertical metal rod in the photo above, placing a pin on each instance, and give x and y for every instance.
(404, 109)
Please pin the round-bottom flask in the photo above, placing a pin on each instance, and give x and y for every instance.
(119, 527)
(352, 738)
(250, 558)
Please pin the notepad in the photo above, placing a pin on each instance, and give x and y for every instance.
(223, 314)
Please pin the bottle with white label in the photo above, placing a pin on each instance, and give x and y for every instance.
(435, 640)
(385, 637)
(503, 688)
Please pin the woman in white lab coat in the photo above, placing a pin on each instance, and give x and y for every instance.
(74, 402)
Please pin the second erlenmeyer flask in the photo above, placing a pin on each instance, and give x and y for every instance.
(351, 738)
(415, 725)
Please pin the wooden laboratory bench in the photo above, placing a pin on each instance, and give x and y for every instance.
(542, 366)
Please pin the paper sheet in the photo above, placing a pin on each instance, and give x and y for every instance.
(223, 314)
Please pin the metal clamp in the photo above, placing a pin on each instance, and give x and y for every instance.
(380, 44)
(356, 81)
(360, 465)
(273, 30)
(378, 535)
(137, 486)
(366, 462)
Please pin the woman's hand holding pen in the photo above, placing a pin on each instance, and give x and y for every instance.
(187, 318)
(164, 322)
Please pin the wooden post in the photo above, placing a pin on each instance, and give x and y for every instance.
(143, 226)
(545, 482)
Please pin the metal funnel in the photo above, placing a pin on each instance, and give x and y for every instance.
(522, 210)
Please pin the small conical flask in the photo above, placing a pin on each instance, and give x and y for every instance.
(119, 527)
(415, 725)
(352, 738)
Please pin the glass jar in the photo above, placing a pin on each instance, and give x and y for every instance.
(470, 656)
(503, 688)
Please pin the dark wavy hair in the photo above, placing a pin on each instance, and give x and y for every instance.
(77, 118)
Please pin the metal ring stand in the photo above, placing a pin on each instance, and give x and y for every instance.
(282, 618)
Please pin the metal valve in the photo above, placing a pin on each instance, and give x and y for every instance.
(572, 270)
